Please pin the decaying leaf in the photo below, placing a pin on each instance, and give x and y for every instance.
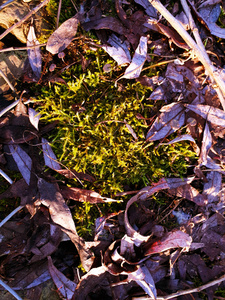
(210, 113)
(34, 54)
(49, 156)
(51, 197)
(206, 145)
(23, 161)
(143, 277)
(212, 188)
(173, 239)
(34, 117)
(63, 35)
(190, 193)
(184, 137)
(138, 60)
(169, 121)
(118, 50)
(150, 10)
(65, 286)
(210, 14)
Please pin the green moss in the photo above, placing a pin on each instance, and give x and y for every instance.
(92, 136)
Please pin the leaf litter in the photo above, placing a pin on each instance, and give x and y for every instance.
(132, 251)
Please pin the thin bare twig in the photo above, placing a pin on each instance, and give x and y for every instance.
(6, 176)
(197, 51)
(10, 215)
(58, 13)
(21, 48)
(7, 81)
(187, 292)
(33, 11)
(11, 291)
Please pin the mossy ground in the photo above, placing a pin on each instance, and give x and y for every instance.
(93, 115)
(92, 136)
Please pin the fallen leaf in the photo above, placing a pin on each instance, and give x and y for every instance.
(144, 279)
(34, 54)
(169, 121)
(184, 137)
(210, 14)
(23, 161)
(150, 10)
(83, 195)
(173, 35)
(138, 60)
(190, 193)
(211, 114)
(65, 286)
(173, 239)
(63, 35)
(118, 50)
(61, 215)
(34, 117)
(49, 156)
(206, 145)
(212, 188)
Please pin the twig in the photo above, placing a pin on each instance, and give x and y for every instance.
(21, 48)
(6, 176)
(11, 291)
(33, 11)
(189, 291)
(58, 13)
(197, 51)
(7, 80)
(10, 215)
(5, 4)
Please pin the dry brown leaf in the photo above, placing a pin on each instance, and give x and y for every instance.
(63, 35)
(173, 239)
(51, 197)
(169, 121)
(65, 286)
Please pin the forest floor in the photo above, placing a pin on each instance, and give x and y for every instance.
(112, 154)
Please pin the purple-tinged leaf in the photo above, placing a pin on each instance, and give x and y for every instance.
(49, 156)
(173, 239)
(23, 161)
(51, 197)
(169, 121)
(144, 279)
(190, 193)
(34, 54)
(65, 286)
(63, 36)
(118, 50)
(146, 192)
(212, 188)
(34, 117)
(138, 60)
(210, 15)
(130, 129)
(185, 137)
(210, 113)
(150, 10)
(206, 145)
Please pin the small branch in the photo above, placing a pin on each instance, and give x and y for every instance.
(6, 176)
(58, 13)
(7, 81)
(24, 19)
(21, 48)
(10, 215)
(197, 50)
(189, 291)
(11, 291)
